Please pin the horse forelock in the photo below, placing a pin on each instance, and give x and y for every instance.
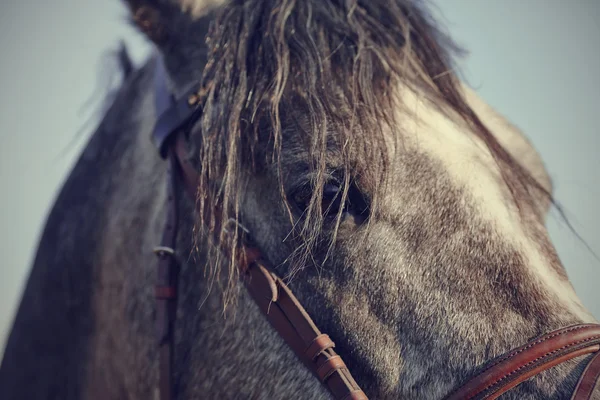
(340, 63)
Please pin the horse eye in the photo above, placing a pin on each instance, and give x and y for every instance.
(330, 202)
(355, 204)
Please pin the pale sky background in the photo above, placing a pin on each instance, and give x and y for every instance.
(536, 61)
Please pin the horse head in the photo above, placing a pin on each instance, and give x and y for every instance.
(407, 216)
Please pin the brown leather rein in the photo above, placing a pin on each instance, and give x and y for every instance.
(290, 319)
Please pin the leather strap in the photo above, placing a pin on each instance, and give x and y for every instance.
(166, 284)
(589, 380)
(173, 113)
(540, 354)
(294, 325)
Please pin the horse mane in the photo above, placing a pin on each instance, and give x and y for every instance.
(339, 62)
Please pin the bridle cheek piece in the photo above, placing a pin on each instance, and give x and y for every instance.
(285, 313)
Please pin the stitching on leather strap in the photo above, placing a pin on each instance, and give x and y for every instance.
(514, 367)
(532, 344)
(329, 367)
(508, 375)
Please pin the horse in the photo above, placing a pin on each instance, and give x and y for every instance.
(334, 137)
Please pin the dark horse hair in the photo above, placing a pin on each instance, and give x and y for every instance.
(339, 62)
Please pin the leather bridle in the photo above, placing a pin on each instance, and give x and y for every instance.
(286, 314)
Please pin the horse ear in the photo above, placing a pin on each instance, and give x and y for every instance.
(178, 29)
(154, 18)
(158, 19)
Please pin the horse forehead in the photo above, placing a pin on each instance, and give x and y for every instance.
(443, 136)
(465, 161)
(467, 164)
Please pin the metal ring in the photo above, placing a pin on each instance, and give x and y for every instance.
(161, 250)
(233, 221)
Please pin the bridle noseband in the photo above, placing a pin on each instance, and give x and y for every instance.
(286, 314)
